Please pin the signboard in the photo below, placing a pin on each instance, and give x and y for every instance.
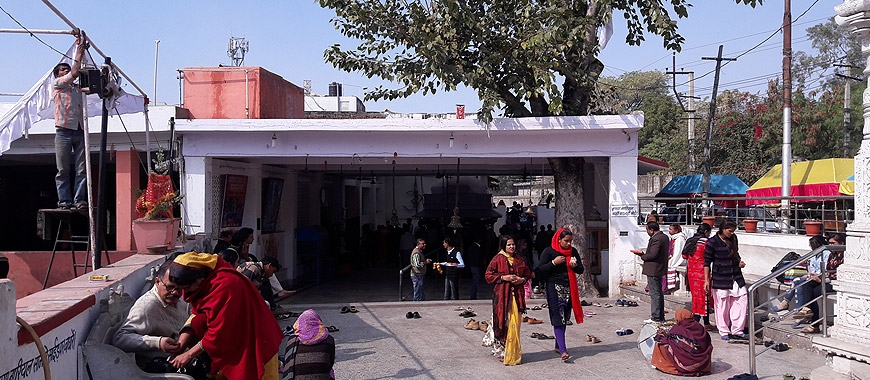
(624, 210)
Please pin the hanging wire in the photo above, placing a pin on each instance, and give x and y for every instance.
(34, 35)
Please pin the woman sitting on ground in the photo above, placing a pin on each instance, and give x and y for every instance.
(508, 273)
(310, 353)
(685, 350)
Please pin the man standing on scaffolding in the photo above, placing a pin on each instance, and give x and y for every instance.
(69, 138)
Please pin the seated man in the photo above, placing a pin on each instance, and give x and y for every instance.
(224, 240)
(152, 326)
(685, 350)
(259, 272)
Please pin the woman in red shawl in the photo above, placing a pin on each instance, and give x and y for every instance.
(229, 317)
(686, 349)
(558, 269)
(509, 273)
(701, 299)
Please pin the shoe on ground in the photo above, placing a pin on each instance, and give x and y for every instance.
(620, 303)
(798, 324)
(280, 310)
(467, 314)
(710, 327)
(803, 313)
(782, 306)
(585, 303)
(738, 336)
(409, 315)
(484, 326)
(725, 337)
(526, 319)
(810, 330)
(472, 325)
(535, 321)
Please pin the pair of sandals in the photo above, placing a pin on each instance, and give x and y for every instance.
(331, 328)
(542, 336)
(606, 305)
(349, 309)
(592, 339)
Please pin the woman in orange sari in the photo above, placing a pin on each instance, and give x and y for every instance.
(508, 273)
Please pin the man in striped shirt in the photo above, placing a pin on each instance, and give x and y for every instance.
(69, 138)
(418, 269)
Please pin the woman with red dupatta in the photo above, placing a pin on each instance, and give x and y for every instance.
(558, 269)
(701, 299)
(509, 273)
(229, 318)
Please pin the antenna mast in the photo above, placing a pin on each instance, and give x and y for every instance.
(236, 49)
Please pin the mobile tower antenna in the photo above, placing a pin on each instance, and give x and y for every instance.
(236, 49)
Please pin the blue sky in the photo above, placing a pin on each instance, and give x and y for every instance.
(288, 37)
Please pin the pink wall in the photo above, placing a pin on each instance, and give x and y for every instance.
(27, 269)
(219, 93)
(127, 184)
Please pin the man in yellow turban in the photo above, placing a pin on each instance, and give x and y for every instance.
(233, 324)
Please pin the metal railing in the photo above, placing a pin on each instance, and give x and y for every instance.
(833, 214)
(823, 321)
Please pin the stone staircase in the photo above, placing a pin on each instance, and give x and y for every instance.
(776, 332)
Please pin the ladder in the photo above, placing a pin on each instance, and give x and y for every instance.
(65, 222)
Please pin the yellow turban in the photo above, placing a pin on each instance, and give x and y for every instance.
(197, 260)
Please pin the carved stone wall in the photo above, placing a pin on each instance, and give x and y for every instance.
(852, 324)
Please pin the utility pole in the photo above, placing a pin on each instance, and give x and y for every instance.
(847, 110)
(691, 121)
(690, 110)
(786, 112)
(705, 192)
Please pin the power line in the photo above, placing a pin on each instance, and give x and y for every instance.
(34, 35)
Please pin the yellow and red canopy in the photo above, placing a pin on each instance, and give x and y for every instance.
(820, 178)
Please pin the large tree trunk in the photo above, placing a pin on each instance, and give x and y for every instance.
(570, 213)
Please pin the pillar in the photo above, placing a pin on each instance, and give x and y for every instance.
(127, 180)
(849, 344)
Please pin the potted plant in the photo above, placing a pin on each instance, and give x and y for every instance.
(156, 228)
(813, 227)
(751, 225)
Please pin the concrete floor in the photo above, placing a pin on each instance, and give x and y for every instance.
(378, 342)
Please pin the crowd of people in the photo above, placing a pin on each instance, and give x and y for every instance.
(717, 286)
(190, 320)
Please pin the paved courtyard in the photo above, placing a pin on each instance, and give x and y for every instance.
(379, 342)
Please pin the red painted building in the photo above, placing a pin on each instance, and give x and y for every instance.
(240, 93)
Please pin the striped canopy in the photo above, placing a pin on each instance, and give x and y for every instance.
(808, 178)
(847, 186)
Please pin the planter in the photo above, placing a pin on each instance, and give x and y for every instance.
(813, 228)
(709, 220)
(751, 225)
(150, 233)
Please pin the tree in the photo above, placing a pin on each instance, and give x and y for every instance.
(513, 53)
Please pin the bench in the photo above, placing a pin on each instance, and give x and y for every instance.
(105, 361)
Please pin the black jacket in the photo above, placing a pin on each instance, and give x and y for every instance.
(557, 274)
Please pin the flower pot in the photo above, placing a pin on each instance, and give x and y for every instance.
(751, 225)
(709, 220)
(155, 232)
(813, 228)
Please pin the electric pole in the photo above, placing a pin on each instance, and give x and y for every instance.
(786, 112)
(705, 192)
(690, 110)
(847, 110)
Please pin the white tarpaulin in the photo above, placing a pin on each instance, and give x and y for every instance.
(36, 105)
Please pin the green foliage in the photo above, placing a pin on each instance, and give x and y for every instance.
(513, 52)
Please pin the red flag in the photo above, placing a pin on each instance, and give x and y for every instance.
(460, 111)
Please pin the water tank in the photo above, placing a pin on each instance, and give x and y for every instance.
(335, 89)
